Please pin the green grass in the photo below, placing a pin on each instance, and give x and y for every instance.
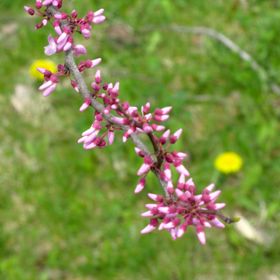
(70, 214)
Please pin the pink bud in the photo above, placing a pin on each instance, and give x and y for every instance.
(179, 155)
(181, 182)
(164, 137)
(201, 235)
(210, 187)
(163, 111)
(49, 90)
(29, 10)
(174, 137)
(164, 210)
(167, 171)
(150, 206)
(140, 186)
(181, 169)
(219, 206)
(99, 19)
(190, 183)
(121, 121)
(67, 46)
(90, 138)
(147, 128)
(62, 38)
(85, 105)
(161, 118)
(131, 110)
(60, 16)
(128, 133)
(182, 229)
(74, 14)
(51, 48)
(116, 88)
(79, 50)
(47, 2)
(156, 127)
(89, 146)
(155, 197)
(214, 195)
(98, 77)
(147, 214)
(98, 13)
(139, 152)
(45, 85)
(39, 4)
(144, 168)
(88, 131)
(74, 85)
(111, 136)
(149, 228)
(95, 62)
(44, 71)
(57, 28)
(170, 187)
(44, 22)
(179, 193)
(216, 223)
(85, 32)
(146, 108)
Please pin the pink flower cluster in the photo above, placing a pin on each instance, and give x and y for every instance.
(65, 25)
(50, 82)
(183, 208)
(180, 206)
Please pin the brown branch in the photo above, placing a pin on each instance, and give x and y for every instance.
(86, 94)
(84, 91)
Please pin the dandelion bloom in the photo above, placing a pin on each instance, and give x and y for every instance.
(41, 63)
(228, 162)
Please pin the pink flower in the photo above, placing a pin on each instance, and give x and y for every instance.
(51, 81)
(29, 10)
(146, 166)
(85, 105)
(51, 48)
(79, 50)
(163, 139)
(89, 64)
(180, 207)
(181, 169)
(150, 227)
(174, 137)
(140, 186)
(39, 4)
(177, 213)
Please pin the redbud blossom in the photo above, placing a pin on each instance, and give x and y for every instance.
(180, 207)
(29, 10)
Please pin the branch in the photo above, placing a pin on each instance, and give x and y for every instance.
(181, 207)
(84, 91)
(228, 43)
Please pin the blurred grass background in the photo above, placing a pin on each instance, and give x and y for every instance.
(70, 214)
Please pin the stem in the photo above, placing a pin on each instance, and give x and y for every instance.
(84, 91)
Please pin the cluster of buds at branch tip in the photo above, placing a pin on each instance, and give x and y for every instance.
(65, 25)
(184, 208)
(179, 207)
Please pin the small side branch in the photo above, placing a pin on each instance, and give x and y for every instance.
(228, 43)
(233, 47)
(84, 91)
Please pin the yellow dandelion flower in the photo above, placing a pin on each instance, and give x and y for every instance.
(43, 63)
(229, 162)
